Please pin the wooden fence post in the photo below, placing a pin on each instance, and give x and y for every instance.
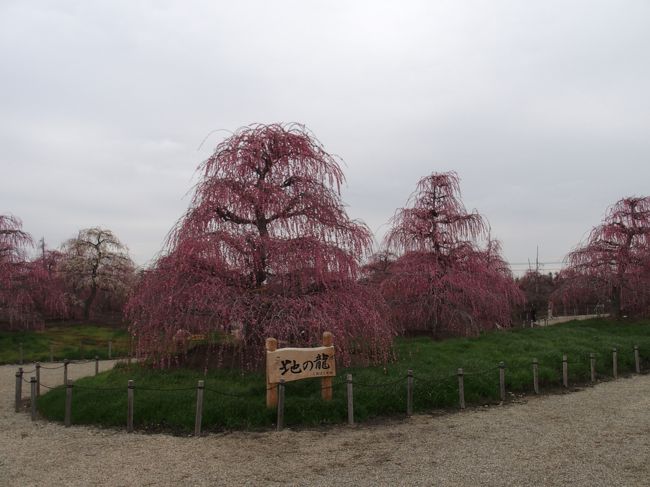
(110, 349)
(271, 389)
(326, 382)
(129, 413)
(409, 393)
(592, 366)
(199, 408)
(96, 365)
(461, 388)
(280, 424)
(19, 388)
(32, 383)
(66, 362)
(637, 361)
(536, 376)
(615, 363)
(38, 379)
(350, 400)
(68, 403)
(502, 381)
(565, 371)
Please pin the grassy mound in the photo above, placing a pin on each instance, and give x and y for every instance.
(165, 399)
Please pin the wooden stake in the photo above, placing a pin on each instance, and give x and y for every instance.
(461, 388)
(271, 389)
(326, 382)
(409, 393)
(592, 366)
(66, 362)
(68, 403)
(19, 388)
(615, 363)
(280, 424)
(129, 413)
(502, 381)
(32, 383)
(199, 408)
(110, 349)
(350, 400)
(96, 365)
(637, 361)
(38, 379)
(565, 371)
(536, 376)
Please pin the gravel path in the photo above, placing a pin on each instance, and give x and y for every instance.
(599, 436)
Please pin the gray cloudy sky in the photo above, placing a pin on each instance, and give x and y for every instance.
(543, 108)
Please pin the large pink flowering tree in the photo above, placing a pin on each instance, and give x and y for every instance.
(266, 249)
(613, 266)
(443, 280)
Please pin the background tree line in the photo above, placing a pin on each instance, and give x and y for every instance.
(266, 248)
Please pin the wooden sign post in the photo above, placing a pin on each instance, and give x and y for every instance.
(271, 389)
(326, 382)
(289, 364)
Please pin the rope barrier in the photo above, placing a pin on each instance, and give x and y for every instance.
(52, 368)
(152, 389)
(435, 396)
(99, 388)
(228, 394)
(383, 384)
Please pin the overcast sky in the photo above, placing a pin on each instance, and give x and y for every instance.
(542, 108)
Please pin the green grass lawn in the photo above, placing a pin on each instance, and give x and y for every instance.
(67, 341)
(237, 401)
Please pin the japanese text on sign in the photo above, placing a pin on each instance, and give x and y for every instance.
(300, 363)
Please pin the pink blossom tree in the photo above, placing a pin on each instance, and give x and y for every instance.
(613, 265)
(443, 281)
(266, 249)
(29, 293)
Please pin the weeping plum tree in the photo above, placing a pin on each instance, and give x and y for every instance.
(28, 294)
(443, 282)
(15, 302)
(96, 263)
(266, 249)
(613, 265)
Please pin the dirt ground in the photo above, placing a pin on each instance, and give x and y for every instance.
(599, 436)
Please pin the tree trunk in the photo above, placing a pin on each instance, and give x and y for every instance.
(616, 301)
(89, 301)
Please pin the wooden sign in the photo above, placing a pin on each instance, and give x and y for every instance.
(289, 364)
(299, 363)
